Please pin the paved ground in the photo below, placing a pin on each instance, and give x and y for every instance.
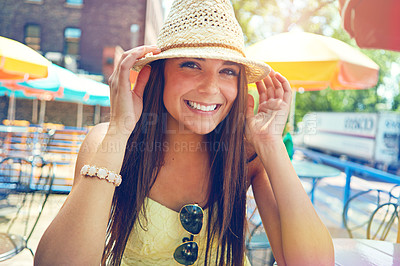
(51, 209)
(328, 203)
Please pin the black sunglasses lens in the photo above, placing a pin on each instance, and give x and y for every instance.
(186, 253)
(192, 218)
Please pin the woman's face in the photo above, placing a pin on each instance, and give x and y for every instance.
(199, 93)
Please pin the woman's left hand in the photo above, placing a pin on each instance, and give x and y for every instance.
(275, 97)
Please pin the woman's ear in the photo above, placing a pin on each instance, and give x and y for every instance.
(141, 80)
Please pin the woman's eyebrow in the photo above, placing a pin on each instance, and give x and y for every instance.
(230, 63)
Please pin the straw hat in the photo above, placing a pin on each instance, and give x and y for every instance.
(204, 29)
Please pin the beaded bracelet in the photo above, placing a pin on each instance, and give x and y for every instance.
(102, 173)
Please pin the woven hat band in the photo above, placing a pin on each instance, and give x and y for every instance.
(186, 45)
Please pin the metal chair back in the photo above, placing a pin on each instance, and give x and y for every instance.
(15, 175)
(383, 223)
(257, 239)
(358, 208)
(26, 185)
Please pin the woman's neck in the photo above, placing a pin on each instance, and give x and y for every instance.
(182, 141)
(184, 177)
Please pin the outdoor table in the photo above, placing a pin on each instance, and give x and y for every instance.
(306, 169)
(10, 245)
(364, 252)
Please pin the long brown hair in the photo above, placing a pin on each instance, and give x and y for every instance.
(144, 157)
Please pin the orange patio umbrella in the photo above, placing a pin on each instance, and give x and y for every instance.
(315, 62)
(372, 23)
(19, 62)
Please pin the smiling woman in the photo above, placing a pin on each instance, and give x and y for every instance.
(181, 141)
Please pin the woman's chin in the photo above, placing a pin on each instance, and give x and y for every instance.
(202, 129)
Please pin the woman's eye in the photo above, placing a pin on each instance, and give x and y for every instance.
(189, 64)
(230, 72)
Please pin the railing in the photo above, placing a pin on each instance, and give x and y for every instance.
(59, 146)
(350, 168)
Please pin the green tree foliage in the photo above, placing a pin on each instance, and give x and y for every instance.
(396, 103)
(247, 11)
(329, 100)
(262, 18)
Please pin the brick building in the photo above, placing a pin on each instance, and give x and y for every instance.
(82, 35)
(80, 29)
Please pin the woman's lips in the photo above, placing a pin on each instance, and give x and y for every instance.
(202, 108)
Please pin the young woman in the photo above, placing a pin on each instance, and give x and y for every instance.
(185, 140)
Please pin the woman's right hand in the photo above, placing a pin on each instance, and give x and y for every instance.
(127, 104)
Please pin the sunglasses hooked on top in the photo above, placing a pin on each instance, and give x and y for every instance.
(191, 217)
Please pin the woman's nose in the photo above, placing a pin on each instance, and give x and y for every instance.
(209, 85)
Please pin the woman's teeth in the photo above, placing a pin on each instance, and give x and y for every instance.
(205, 108)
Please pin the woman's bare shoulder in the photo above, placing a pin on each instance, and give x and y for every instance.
(93, 138)
(98, 131)
(89, 146)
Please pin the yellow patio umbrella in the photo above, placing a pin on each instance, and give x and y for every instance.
(314, 62)
(20, 62)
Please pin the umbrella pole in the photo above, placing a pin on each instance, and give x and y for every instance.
(79, 115)
(292, 112)
(35, 111)
(96, 114)
(42, 111)
(11, 108)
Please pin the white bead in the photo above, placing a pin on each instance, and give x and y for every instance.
(102, 173)
(92, 171)
(85, 169)
(111, 177)
(118, 181)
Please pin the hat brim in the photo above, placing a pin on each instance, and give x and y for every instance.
(255, 70)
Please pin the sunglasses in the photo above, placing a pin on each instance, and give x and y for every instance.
(191, 217)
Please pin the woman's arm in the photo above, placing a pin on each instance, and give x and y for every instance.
(77, 234)
(297, 235)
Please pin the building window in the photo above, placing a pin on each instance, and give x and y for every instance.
(72, 38)
(74, 3)
(32, 36)
(135, 35)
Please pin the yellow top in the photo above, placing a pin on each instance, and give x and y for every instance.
(164, 233)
